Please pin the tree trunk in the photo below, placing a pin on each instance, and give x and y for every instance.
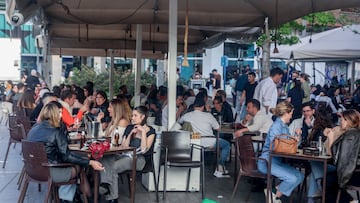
(265, 66)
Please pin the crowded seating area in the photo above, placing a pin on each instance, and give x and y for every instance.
(304, 147)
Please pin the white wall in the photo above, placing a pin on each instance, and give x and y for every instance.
(212, 60)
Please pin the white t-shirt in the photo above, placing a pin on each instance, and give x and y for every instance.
(203, 123)
(266, 93)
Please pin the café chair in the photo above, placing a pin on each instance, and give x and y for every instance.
(149, 167)
(176, 151)
(37, 170)
(247, 159)
(17, 133)
(6, 108)
(350, 187)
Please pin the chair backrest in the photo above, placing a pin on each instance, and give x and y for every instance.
(12, 121)
(7, 107)
(34, 156)
(246, 153)
(178, 145)
(25, 121)
(17, 133)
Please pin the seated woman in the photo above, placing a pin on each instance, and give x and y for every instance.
(48, 131)
(101, 105)
(120, 113)
(137, 135)
(343, 143)
(289, 176)
(26, 104)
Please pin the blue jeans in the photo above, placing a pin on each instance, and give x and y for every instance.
(289, 176)
(317, 171)
(238, 106)
(224, 150)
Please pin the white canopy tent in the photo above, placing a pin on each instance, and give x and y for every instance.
(339, 43)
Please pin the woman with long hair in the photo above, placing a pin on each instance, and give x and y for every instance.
(138, 135)
(49, 132)
(120, 113)
(321, 122)
(26, 103)
(289, 176)
(343, 143)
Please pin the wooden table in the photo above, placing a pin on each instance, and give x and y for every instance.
(113, 150)
(300, 156)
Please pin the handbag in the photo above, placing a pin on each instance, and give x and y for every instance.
(285, 144)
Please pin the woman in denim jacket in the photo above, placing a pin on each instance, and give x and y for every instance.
(289, 176)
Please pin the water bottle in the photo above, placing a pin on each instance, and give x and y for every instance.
(116, 138)
(320, 145)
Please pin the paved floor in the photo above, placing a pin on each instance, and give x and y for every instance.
(216, 189)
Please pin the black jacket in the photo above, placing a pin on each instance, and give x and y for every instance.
(56, 146)
(345, 152)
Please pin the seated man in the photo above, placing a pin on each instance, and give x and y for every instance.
(256, 121)
(204, 123)
(305, 123)
(220, 110)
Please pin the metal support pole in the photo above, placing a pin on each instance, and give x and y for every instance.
(138, 64)
(173, 23)
(111, 76)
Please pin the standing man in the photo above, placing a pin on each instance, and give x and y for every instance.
(305, 85)
(239, 87)
(266, 91)
(216, 82)
(248, 93)
(32, 80)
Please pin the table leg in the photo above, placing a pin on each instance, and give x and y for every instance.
(96, 186)
(217, 148)
(269, 183)
(324, 182)
(133, 177)
(236, 161)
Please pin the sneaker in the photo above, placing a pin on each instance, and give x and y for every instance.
(274, 198)
(222, 169)
(220, 174)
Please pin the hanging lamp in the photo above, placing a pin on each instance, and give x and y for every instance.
(276, 50)
(186, 62)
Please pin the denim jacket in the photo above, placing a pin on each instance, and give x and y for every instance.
(277, 128)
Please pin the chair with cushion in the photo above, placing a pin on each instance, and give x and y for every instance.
(247, 159)
(17, 133)
(37, 170)
(177, 152)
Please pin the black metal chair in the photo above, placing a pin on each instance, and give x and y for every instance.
(177, 152)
